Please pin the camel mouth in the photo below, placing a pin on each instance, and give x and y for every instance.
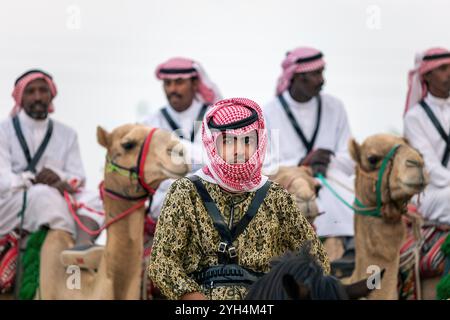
(173, 174)
(308, 208)
(418, 186)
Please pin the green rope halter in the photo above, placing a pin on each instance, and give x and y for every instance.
(359, 207)
(112, 167)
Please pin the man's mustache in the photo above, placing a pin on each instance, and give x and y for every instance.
(39, 103)
(174, 95)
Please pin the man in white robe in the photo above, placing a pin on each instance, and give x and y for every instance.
(189, 93)
(310, 128)
(427, 128)
(40, 156)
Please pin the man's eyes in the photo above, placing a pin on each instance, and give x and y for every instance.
(247, 140)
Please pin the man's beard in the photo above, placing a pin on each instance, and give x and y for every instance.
(36, 112)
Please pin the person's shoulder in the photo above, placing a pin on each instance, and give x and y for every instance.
(6, 122)
(153, 118)
(333, 102)
(63, 128)
(6, 128)
(277, 191)
(414, 113)
(271, 104)
(181, 185)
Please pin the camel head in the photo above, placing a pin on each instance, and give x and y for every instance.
(165, 158)
(403, 177)
(299, 182)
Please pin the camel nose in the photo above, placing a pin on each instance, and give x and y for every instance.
(414, 164)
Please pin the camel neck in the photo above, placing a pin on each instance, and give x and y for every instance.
(124, 246)
(365, 188)
(128, 230)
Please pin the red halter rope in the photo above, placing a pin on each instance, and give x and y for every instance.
(139, 170)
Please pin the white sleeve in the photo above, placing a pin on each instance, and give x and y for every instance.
(73, 171)
(342, 159)
(416, 134)
(153, 120)
(10, 181)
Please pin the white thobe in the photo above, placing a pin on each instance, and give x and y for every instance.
(45, 205)
(195, 153)
(286, 149)
(420, 132)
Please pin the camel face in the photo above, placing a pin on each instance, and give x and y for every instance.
(402, 179)
(299, 182)
(165, 157)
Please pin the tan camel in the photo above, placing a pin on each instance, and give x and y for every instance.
(299, 182)
(378, 240)
(119, 272)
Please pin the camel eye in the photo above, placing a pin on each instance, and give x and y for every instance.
(178, 152)
(373, 160)
(129, 145)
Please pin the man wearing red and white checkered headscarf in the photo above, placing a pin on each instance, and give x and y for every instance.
(21, 84)
(310, 128)
(41, 156)
(183, 68)
(427, 127)
(189, 93)
(234, 117)
(192, 256)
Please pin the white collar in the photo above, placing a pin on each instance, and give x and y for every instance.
(191, 112)
(28, 122)
(440, 102)
(295, 104)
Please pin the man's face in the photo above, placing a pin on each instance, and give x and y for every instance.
(438, 81)
(308, 84)
(36, 99)
(180, 92)
(237, 149)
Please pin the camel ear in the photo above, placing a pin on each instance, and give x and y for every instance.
(355, 150)
(294, 290)
(103, 137)
(361, 289)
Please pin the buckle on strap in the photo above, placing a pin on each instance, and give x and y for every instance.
(232, 252)
(222, 247)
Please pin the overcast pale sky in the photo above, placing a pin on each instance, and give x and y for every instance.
(102, 53)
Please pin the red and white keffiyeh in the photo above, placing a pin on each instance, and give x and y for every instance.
(176, 68)
(299, 60)
(239, 177)
(424, 62)
(22, 83)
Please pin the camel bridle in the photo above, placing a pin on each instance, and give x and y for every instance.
(136, 172)
(385, 164)
(358, 207)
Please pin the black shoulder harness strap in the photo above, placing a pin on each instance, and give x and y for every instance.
(438, 126)
(175, 126)
(227, 236)
(308, 144)
(32, 162)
